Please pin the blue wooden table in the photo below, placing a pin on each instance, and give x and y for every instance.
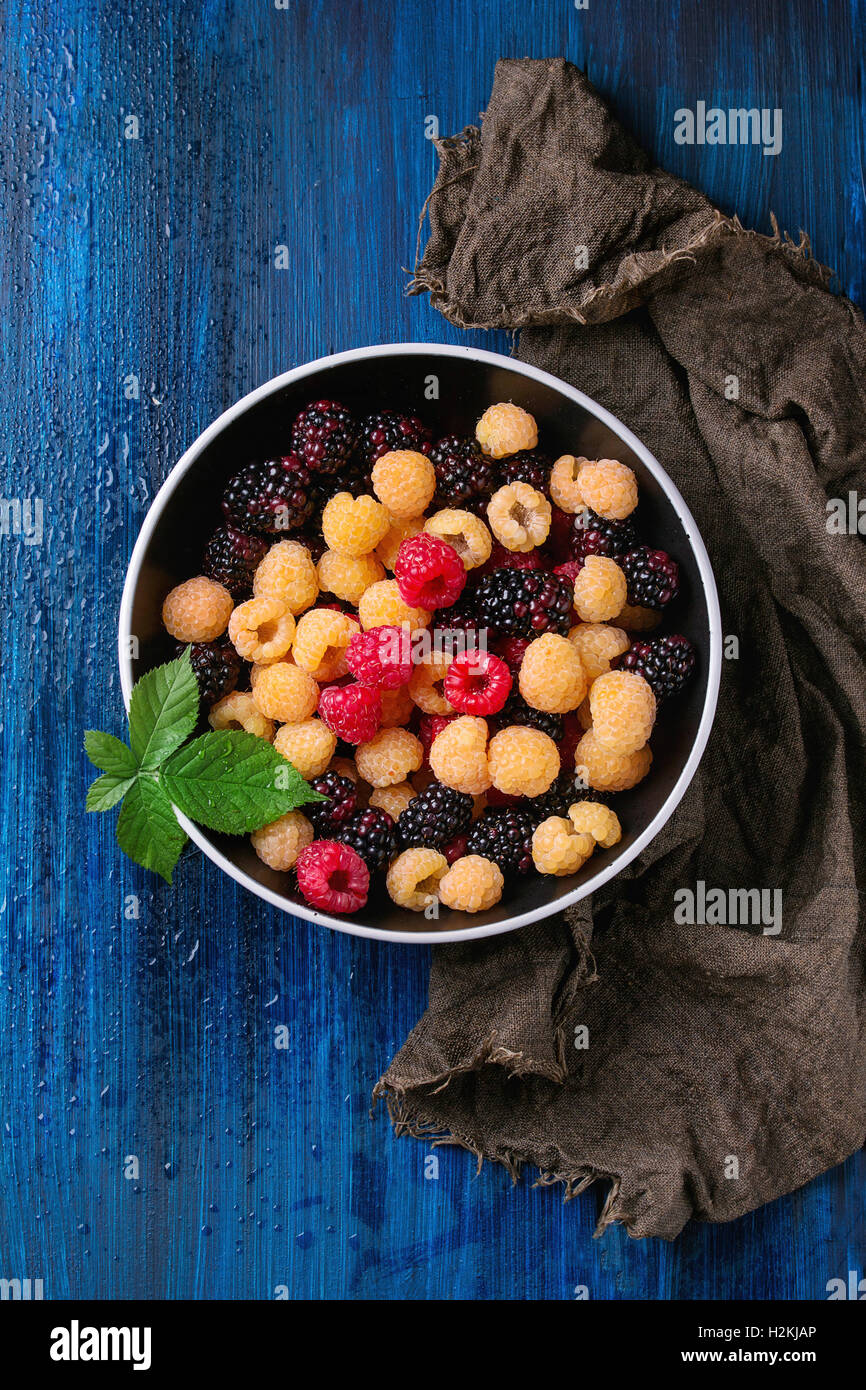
(154, 1140)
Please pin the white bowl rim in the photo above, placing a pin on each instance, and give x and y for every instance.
(665, 811)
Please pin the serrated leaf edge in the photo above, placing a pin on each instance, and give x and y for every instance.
(179, 726)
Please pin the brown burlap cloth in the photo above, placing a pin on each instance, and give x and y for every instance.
(724, 1067)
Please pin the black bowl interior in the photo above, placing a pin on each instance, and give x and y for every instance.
(465, 388)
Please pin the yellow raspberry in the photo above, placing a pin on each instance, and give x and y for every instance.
(397, 533)
(413, 878)
(345, 766)
(425, 687)
(591, 818)
(280, 843)
(240, 711)
(599, 589)
(286, 692)
(636, 619)
(197, 610)
(551, 676)
(465, 532)
(506, 429)
(353, 525)
(389, 757)
(397, 707)
(321, 640)
(563, 483)
(472, 884)
(598, 644)
(458, 755)
(605, 771)
(608, 487)
(404, 482)
(308, 745)
(262, 630)
(519, 517)
(394, 800)
(348, 576)
(557, 848)
(287, 572)
(623, 709)
(584, 714)
(382, 606)
(256, 671)
(523, 761)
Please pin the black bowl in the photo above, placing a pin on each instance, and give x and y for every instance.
(449, 386)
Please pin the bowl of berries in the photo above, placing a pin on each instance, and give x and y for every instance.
(468, 607)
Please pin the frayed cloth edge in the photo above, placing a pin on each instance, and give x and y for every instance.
(490, 1052)
(406, 1120)
(799, 253)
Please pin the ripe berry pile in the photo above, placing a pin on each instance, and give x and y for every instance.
(451, 639)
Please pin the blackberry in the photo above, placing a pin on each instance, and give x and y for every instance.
(272, 496)
(504, 834)
(517, 711)
(528, 466)
(324, 487)
(434, 816)
(217, 668)
(388, 430)
(502, 559)
(593, 535)
(665, 662)
(464, 475)
(371, 834)
(232, 558)
(323, 436)
(355, 480)
(328, 816)
(513, 650)
(557, 799)
(653, 578)
(524, 603)
(459, 618)
(455, 849)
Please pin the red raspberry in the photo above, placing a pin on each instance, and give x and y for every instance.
(429, 726)
(381, 657)
(478, 683)
(429, 572)
(572, 733)
(560, 534)
(332, 876)
(352, 712)
(512, 650)
(495, 797)
(502, 559)
(569, 570)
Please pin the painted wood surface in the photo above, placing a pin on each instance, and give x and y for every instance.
(154, 1035)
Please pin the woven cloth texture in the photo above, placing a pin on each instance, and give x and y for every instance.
(707, 1043)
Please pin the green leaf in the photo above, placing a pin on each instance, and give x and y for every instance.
(163, 711)
(234, 782)
(106, 791)
(110, 755)
(147, 828)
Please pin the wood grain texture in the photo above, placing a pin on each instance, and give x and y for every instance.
(155, 1037)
